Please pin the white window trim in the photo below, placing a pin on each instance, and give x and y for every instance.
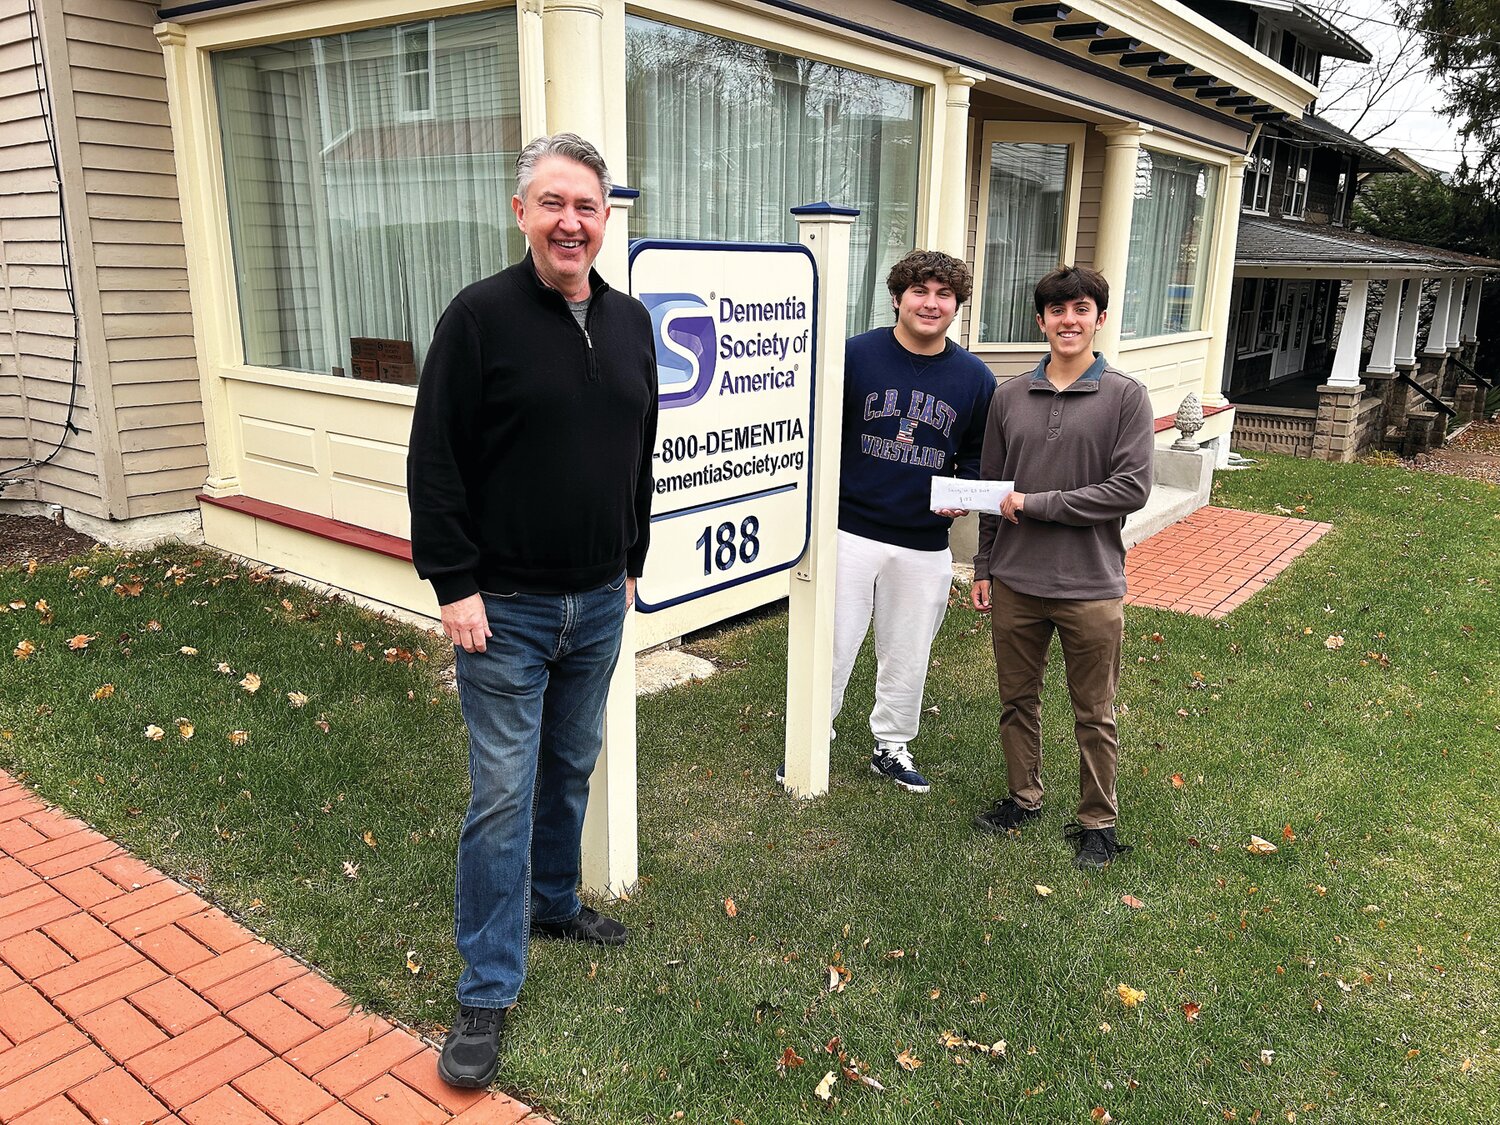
(1271, 34)
(1303, 157)
(1252, 179)
(340, 59)
(402, 74)
(1026, 132)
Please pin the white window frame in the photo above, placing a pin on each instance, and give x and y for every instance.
(325, 60)
(1294, 191)
(1268, 38)
(1026, 132)
(1255, 179)
(404, 111)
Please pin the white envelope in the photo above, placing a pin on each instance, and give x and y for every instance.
(974, 495)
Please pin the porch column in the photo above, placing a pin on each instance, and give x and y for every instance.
(212, 324)
(1468, 332)
(1406, 330)
(1351, 337)
(953, 185)
(1122, 149)
(1383, 354)
(573, 51)
(1226, 237)
(1456, 310)
(1437, 331)
(531, 59)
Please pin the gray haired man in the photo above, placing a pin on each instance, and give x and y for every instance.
(529, 478)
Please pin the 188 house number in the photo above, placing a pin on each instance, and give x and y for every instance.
(720, 549)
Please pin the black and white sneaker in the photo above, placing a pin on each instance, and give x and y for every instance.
(471, 1053)
(894, 762)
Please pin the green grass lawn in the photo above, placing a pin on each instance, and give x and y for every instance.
(1351, 976)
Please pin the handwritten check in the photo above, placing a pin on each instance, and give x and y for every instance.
(974, 495)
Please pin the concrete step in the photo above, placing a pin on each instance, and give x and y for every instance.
(1166, 505)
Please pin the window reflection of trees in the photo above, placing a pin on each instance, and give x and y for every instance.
(725, 136)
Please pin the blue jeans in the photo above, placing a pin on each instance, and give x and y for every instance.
(534, 705)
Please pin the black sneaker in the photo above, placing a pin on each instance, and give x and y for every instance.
(1005, 816)
(1097, 847)
(587, 925)
(894, 763)
(471, 1053)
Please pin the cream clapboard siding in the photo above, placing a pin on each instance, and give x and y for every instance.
(138, 266)
(36, 325)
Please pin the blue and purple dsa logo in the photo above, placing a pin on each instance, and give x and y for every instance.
(686, 340)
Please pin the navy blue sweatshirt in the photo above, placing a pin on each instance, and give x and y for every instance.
(907, 419)
(530, 461)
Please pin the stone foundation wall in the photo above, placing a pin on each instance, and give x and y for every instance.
(1369, 424)
(1274, 429)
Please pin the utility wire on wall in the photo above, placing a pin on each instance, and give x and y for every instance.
(65, 258)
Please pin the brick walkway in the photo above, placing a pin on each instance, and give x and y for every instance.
(1213, 561)
(126, 998)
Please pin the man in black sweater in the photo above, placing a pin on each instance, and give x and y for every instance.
(529, 478)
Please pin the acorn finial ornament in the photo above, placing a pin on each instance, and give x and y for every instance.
(1189, 422)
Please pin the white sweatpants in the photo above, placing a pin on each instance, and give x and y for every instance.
(907, 591)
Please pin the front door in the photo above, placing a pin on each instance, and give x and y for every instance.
(1293, 319)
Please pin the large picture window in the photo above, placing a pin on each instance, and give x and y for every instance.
(1030, 175)
(369, 177)
(1166, 280)
(725, 137)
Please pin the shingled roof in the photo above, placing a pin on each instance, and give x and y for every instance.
(1329, 250)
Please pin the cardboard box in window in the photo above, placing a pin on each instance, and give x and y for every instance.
(383, 361)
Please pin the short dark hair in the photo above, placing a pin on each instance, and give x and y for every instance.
(930, 265)
(1069, 283)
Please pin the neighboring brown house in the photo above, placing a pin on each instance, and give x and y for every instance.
(1301, 367)
(100, 408)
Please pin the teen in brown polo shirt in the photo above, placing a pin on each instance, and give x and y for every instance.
(1076, 437)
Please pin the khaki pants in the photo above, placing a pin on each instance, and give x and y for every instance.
(1091, 633)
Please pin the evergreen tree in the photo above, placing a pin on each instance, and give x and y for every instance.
(1463, 45)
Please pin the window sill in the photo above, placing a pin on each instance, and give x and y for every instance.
(1164, 340)
(322, 384)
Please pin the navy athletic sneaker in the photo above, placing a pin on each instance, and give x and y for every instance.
(894, 762)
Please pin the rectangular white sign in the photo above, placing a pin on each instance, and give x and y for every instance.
(733, 327)
(972, 495)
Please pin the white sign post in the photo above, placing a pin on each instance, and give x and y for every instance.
(824, 230)
(749, 361)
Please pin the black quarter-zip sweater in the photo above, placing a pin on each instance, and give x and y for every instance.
(530, 460)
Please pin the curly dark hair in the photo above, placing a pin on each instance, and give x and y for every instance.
(930, 265)
(1069, 283)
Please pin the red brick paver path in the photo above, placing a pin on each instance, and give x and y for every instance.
(1215, 559)
(126, 998)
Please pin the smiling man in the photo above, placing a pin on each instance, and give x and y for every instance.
(529, 478)
(1076, 437)
(914, 408)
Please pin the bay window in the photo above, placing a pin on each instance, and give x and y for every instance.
(1166, 280)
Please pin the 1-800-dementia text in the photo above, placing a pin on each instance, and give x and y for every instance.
(730, 439)
(722, 471)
